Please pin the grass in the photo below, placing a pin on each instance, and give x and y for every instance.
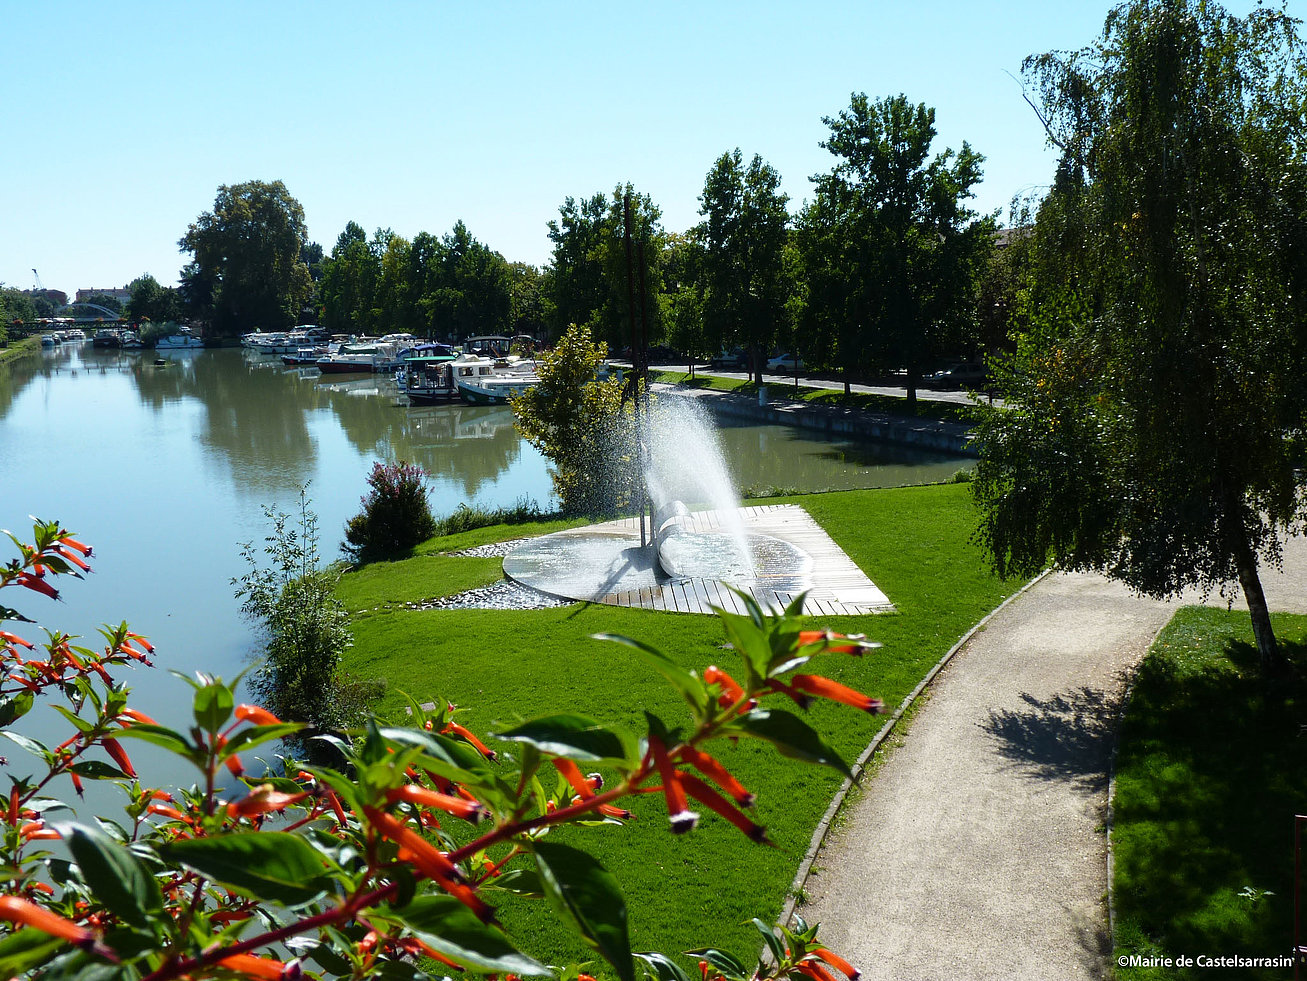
(1210, 773)
(505, 665)
(20, 349)
(827, 397)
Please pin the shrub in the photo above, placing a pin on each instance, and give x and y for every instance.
(293, 600)
(319, 873)
(396, 515)
(465, 518)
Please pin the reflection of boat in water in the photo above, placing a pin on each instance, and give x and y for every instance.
(457, 421)
(182, 340)
(361, 386)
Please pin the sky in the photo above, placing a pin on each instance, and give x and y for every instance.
(124, 118)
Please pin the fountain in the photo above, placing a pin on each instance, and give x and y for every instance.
(702, 543)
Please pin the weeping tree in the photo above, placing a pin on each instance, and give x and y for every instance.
(1157, 411)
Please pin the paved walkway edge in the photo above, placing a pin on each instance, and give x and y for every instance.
(820, 832)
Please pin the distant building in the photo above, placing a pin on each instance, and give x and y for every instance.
(121, 295)
(58, 297)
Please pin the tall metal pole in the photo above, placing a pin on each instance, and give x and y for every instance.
(643, 371)
(636, 359)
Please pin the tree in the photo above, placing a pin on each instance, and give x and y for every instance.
(350, 276)
(249, 248)
(1159, 399)
(577, 420)
(745, 289)
(151, 301)
(589, 275)
(895, 233)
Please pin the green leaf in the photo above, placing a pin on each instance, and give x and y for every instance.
(213, 705)
(575, 736)
(724, 962)
(118, 878)
(26, 949)
(773, 942)
(791, 736)
(451, 758)
(255, 735)
(451, 928)
(267, 865)
(31, 745)
(662, 967)
(693, 688)
(169, 739)
(97, 770)
(749, 640)
(521, 882)
(587, 895)
(15, 707)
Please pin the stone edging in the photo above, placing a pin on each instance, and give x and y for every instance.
(822, 830)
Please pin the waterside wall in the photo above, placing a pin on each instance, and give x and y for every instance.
(926, 434)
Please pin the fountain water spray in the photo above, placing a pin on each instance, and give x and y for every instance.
(685, 468)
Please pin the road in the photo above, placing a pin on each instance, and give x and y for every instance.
(814, 381)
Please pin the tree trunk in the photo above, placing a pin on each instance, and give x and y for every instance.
(1245, 561)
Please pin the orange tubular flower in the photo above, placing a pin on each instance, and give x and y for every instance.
(76, 560)
(714, 801)
(257, 716)
(262, 800)
(37, 584)
(23, 912)
(818, 636)
(718, 774)
(142, 641)
(163, 810)
(430, 860)
(815, 684)
(73, 543)
(112, 747)
(136, 716)
(815, 971)
(458, 730)
(413, 794)
(731, 690)
(837, 962)
(263, 968)
(233, 765)
(13, 640)
(682, 818)
(609, 810)
(572, 773)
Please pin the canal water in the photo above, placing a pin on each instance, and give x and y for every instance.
(166, 469)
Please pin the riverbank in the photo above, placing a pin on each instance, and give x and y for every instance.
(774, 405)
(20, 349)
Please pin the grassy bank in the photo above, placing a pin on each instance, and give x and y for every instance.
(504, 665)
(829, 397)
(20, 349)
(1210, 773)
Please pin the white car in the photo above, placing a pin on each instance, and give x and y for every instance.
(785, 362)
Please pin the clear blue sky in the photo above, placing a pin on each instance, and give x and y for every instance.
(122, 119)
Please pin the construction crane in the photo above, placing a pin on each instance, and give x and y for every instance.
(37, 277)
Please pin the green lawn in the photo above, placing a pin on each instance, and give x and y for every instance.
(20, 349)
(833, 398)
(1210, 773)
(505, 665)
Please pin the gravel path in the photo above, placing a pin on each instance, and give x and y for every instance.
(978, 851)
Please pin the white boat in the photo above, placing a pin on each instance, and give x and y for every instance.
(368, 357)
(486, 381)
(175, 342)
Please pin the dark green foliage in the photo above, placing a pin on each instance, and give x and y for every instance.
(1209, 775)
(578, 421)
(893, 255)
(151, 301)
(396, 515)
(1157, 400)
(247, 270)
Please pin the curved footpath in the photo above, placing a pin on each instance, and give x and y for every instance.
(978, 850)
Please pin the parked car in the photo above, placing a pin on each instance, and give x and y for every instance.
(970, 375)
(785, 362)
(732, 360)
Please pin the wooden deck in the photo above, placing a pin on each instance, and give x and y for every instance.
(833, 584)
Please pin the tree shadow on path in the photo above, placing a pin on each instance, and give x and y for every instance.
(1065, 737)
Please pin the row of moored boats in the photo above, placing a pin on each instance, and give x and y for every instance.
(426, 373)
